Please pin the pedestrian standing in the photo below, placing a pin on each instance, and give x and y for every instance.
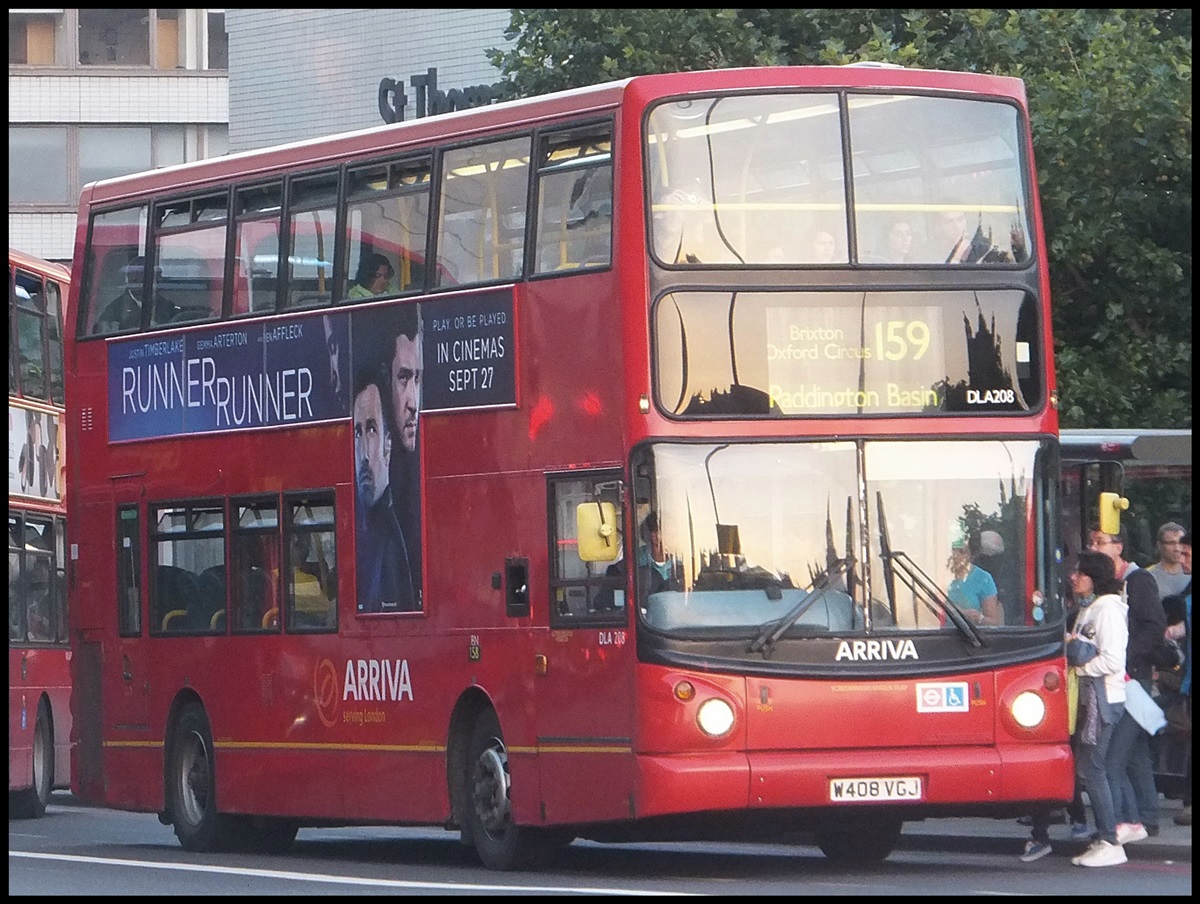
(1130, 765)
(1096, 650)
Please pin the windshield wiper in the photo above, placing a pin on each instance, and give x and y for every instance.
(896, 562)
(932, 595)
(822, 581)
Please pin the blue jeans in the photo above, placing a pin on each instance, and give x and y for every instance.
(1131, 774)
(1089, 764)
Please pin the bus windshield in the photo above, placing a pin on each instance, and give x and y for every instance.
(760, 180)
(928, 526)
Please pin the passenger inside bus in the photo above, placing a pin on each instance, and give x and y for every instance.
(972, 589)
(656, 568)
(823, 247)
(125, 311)
(973, 247)
(676, 221)
(374, 277)
(38, 622)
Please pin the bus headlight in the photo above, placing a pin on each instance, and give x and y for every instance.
(1029, 709)
(715, 717)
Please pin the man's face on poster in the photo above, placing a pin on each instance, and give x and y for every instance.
(334, 348)
(406, 389)
(372, 445)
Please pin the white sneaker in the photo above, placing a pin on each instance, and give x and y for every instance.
(1103, 854)
(1095, 845)
(1131, 831)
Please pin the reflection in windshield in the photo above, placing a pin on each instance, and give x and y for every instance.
(752, 526)
(798, 354)
(760, 180)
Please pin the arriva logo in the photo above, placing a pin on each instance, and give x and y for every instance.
(860, 650)
(376, 679)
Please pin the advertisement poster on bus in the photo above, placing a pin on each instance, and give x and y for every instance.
(34, 454)
(450, 353)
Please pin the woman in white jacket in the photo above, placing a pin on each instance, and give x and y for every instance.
(1096, 649)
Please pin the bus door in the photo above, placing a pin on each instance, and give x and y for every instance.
(125, 681)
(585, 661)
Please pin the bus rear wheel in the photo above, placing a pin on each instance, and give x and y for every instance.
(30, 803)
(499, 841)
(191, 786)
(860, 844)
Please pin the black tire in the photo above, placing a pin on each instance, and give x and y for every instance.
(500, 843)
(30, 803)
(858, 845)
(191, 787)
(266, 835)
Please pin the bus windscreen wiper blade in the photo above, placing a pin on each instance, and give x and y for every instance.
(821, 582)
(928, 592)
(899, 564)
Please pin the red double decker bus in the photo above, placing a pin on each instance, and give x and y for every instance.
(675, 457)
(39, 680)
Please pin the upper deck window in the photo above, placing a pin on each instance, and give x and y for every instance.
(257, 211)
(575, 200)
(387, 229)
(312, 213)
(481, 218)
(34, 314)
(760, 180)
(114, 273)
(189, 253)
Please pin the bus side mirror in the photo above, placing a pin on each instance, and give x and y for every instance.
(1111, 506)
(596, 530)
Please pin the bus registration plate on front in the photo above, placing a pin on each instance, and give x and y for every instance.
(852, 790)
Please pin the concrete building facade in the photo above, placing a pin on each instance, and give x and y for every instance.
(95, 93)
(100, 93)
(299, 73)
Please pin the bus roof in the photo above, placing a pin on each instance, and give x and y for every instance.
(30, 262)
(1149, 446)
(527, 111)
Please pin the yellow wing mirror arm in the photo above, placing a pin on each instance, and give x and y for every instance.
(1111, 506)
(596, 528)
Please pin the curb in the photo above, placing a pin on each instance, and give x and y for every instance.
(991, 844)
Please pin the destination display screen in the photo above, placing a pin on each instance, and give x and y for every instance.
(801, 354)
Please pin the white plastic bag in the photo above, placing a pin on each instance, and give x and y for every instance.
(1140, 705)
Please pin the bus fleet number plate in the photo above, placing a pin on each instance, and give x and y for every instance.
(845, 790)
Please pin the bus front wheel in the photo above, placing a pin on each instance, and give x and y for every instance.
(191, 786)
(499, 841)
(862, 843)
(30, 803)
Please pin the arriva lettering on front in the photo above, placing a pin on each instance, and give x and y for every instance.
(377, 679)
(879, 650)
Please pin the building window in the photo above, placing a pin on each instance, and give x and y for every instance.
(32, 37)
(108, 151)
(216, 138)
(170, 144)
(114, 37)
(218, 40)
(37, 165)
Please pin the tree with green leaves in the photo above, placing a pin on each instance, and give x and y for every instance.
(1110, 97)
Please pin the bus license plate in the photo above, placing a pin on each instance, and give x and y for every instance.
(846, 790)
